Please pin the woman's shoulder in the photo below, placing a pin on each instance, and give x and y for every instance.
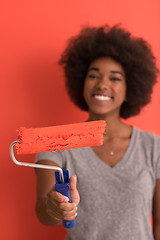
(146, 136)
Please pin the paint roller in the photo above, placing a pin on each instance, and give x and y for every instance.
(57, 138)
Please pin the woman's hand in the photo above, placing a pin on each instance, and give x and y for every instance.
(52, 207)
(58, 206)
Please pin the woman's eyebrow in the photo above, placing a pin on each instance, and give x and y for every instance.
(93, 68)
(113, 71)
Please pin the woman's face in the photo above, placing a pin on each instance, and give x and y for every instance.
(105, 87)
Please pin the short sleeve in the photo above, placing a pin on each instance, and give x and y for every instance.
(56, 157)
(156, 156)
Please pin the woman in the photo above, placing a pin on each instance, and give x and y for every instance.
(110, 74)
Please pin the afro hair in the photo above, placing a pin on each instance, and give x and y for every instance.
(134, 54)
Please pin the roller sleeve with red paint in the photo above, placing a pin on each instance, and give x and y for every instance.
(77, 135)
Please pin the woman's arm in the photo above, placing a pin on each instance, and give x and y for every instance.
(156, 211)
(51, 206)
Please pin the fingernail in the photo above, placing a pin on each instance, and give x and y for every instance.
(63, 199)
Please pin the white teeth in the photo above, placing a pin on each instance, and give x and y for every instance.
(101, 97)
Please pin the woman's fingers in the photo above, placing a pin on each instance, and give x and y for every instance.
(59, 206)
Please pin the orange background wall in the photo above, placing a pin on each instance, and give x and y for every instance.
(33, 34)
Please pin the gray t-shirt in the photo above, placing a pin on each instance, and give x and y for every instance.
(116, 203)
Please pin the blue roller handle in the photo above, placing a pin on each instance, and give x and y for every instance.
(64, 189)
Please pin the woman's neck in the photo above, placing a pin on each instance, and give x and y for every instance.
(115, 126)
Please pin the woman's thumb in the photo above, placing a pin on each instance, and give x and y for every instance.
(73, 182)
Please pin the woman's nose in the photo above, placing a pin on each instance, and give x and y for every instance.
(103, 83)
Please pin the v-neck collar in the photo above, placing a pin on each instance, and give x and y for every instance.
(125, 156)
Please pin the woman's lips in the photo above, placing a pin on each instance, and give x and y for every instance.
(102, 97)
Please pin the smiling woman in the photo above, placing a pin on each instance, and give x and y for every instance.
(110, 74)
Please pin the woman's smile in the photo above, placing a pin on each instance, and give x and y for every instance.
(102, 98)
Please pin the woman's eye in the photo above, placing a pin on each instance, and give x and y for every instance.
(92, 76)
(115, 79)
